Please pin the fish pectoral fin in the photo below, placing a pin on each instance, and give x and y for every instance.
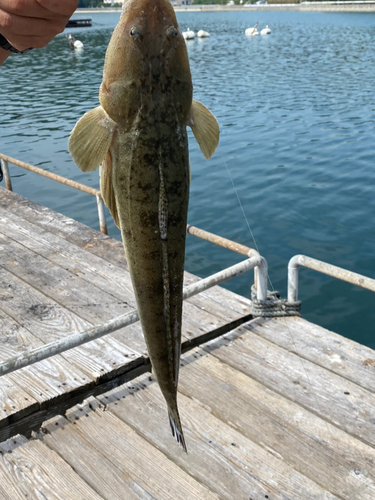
(106, 187)
(91, 138)
(205, 128)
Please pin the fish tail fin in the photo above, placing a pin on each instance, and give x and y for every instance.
(176, 427)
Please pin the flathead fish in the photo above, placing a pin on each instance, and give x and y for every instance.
(138, 136)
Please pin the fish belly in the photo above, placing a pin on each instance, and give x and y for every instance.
(151, 183)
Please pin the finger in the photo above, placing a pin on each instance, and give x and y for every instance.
(44, 9)
(64, 8)
(33, 23)
(24, 33)
(13, 26)
(26, 42)
(24, 8)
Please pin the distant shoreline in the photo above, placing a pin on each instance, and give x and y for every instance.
(355, 6)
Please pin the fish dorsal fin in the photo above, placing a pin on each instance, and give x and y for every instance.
(205, 128)
(91, 138)
(106, 187)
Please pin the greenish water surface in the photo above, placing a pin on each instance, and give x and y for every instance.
(297, 116)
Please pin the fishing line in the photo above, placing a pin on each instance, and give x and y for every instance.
(321, 416)
(241, 206)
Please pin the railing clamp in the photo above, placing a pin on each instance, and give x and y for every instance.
(273, 306)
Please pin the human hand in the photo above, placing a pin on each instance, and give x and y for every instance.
(33, 23)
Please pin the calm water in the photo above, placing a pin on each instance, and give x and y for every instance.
(297, 117)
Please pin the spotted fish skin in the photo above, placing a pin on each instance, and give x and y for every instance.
(152, 201)
(138, 136)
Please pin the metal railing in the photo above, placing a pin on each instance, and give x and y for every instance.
(254, 261)
(322, 267)
(58, 178)
(77, 339)
(260, 283)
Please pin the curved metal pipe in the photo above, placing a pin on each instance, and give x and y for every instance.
(324, 268)
(293, 266)
(80, 338)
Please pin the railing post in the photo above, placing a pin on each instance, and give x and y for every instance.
(101, 213)
(5, 168)
(261, 277)
(293, 266)
(256, 278)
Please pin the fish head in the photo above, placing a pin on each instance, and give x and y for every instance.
(146, 63)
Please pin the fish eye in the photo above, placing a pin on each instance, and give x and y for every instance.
(172, 31)
(135, 33)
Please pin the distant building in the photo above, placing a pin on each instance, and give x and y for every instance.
(111, 2)
(178, 3)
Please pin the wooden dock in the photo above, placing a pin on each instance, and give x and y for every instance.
(278, 409)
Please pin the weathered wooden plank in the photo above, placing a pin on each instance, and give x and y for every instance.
(337, 400)
(221, 310)
(77, 449)
(338, 354)
(31, 267)
(13, 396)
(48, 321)
(47, 379)
(67, 288)
(34, 265)
(96, 243)
(56, 249)
(39, 272)
(218, 455)
(233, 301)
(93, 269)
(330, 457)
(92, 304)
(58, 406)
(14, 399)
(127, 450)
(9, 489)
(39, 472)
(197, 327)
(74, 231)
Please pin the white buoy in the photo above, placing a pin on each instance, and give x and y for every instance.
(188, 35)
(74, 44)
(202, 34)
(265, 31)
(252, 31)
